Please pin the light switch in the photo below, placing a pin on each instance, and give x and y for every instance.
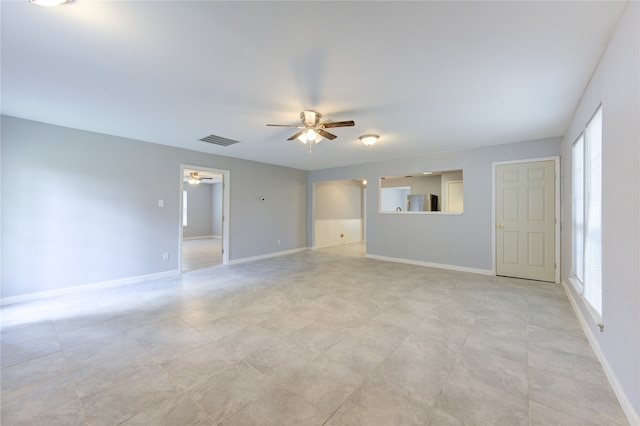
(160, 203)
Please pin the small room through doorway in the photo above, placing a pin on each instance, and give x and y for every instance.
(202, 218)
(339, 216)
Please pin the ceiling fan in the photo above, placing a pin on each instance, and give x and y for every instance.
(312, 130)
(195, 178)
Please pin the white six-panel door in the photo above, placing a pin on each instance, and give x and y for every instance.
(525, 220)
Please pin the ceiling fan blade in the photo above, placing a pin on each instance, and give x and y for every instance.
(295, 136)
(330, 124)
(295, 126)
(327, 134)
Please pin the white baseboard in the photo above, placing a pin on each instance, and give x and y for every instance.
(333, 232)
(266, 256)
(625, 403)
(343, 243)
(29, 297)
(431, 265)
(200, 237)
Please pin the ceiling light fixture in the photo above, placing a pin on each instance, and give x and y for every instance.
(369, 140)
(49, 3)
(312, 130)
(194, 179)
(310, 135)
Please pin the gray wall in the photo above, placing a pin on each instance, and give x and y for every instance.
(615, 85)
(461, 240)
(81, 207)
(199, 211)
(338, 200)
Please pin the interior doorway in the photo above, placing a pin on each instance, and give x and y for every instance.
(204, 217)
(339, 215)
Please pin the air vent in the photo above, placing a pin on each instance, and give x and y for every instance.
(218, 140)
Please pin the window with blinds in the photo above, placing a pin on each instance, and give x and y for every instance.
(587, 214)
(184, 208)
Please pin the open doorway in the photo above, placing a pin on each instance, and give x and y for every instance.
(339, 216)
(204, 231)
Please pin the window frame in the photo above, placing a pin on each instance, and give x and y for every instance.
(185, 222)
(586, 222)
(577, 214)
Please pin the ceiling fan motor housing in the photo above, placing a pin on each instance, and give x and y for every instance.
(310, 118)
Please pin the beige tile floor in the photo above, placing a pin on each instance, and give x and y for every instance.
(319, 337)
(201, 253)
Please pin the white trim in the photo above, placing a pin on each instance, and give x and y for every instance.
(595, 315)
(430, 264)
(266, 256)
(312, 216)
(201, 237)
(623, 399)
(576, 284)
(556, 160)
(335, 232)
(494, 269)
(40, 295)
(579, 289)
(421, 212)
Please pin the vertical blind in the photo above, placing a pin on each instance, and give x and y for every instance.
(578, 209)
(593, 213)
(184, 208)
(587, 212)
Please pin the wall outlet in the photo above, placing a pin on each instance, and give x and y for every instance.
(165, 256)
(278, 240)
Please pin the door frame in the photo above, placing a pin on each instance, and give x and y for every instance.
(556, 160)
(226, 184)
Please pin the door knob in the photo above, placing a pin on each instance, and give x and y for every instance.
(500, 225)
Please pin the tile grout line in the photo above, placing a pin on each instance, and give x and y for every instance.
(70, 372)
(455, 362)
(528, 363)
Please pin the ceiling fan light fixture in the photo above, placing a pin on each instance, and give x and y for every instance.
(369, 140)
(310, 135)
(312, 130)
(49, 3)
(194, 179)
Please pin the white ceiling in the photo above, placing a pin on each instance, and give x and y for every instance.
(426, 76)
